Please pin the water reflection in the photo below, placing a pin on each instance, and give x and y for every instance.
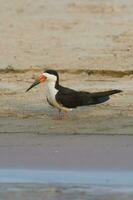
(63, 185)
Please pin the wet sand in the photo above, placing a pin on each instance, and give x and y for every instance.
(33, 151)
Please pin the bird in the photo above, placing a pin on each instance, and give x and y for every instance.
(66, 99)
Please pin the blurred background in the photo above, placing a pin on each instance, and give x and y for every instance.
(66, 34)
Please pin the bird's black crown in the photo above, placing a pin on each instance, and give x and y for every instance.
(51, 71)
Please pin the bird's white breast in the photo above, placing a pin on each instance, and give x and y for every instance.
(51, 92)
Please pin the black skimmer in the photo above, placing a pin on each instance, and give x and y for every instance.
(66, 99)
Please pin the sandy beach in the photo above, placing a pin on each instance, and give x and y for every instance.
(23, 112)
(89, 43)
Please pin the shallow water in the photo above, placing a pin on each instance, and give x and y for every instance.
(62, 185)
(107, 178)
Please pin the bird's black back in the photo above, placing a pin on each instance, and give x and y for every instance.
(71, 99)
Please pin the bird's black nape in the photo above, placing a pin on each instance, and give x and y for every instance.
(53, 72)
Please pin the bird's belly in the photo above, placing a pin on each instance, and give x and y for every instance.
(52, 101)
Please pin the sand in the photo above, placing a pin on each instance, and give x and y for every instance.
(66, 34)
(83, 153)
(29, 112)
(88, 42)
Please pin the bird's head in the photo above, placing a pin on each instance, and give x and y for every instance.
(48, 75)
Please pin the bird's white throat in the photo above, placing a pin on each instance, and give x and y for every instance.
(51, 92)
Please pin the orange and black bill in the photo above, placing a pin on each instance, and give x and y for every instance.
(40, 80)
(33, 85)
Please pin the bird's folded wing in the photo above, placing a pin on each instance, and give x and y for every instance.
(68, 98)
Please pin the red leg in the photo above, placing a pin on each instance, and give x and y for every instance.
(65, 116)
(58, 117)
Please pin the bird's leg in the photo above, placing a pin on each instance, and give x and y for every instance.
(65, 115)
(58, 117)
(60, 114)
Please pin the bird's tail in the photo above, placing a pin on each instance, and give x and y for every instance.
(105, 93)
(101, 97)
(87, 98)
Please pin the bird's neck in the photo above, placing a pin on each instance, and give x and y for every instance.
(50, 87)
